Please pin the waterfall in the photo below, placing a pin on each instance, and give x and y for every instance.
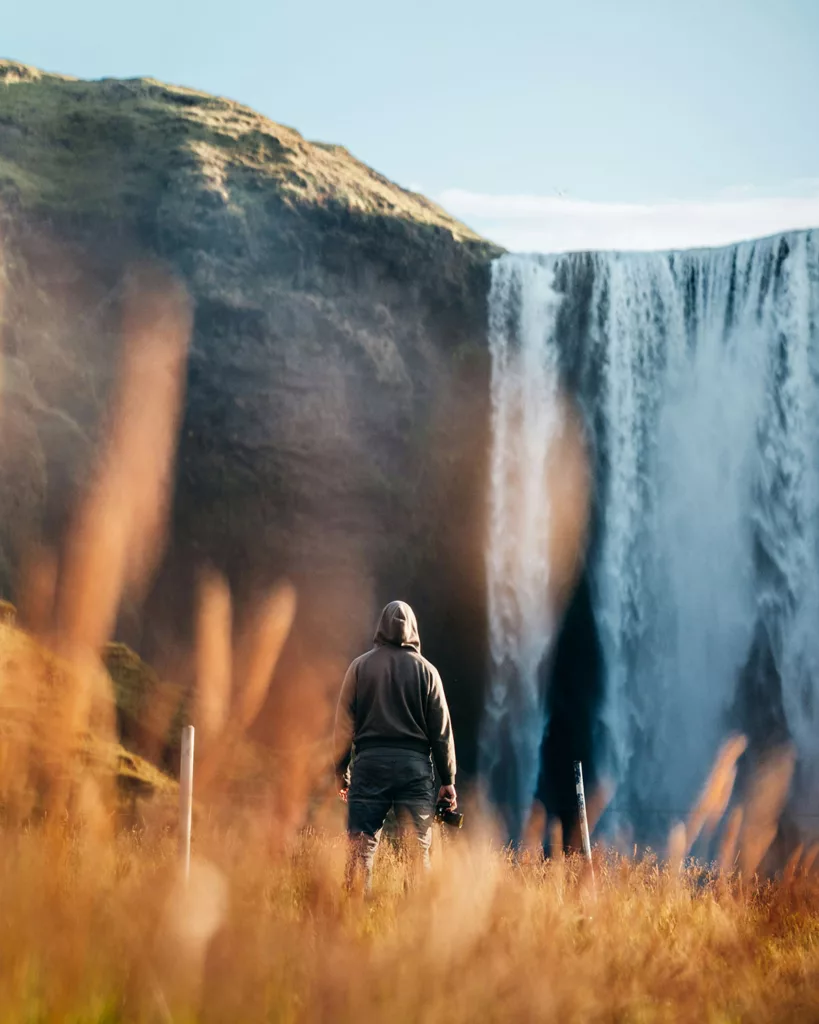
(698, 376)
(523, 307)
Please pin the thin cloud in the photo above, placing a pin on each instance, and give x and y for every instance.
(527, 223)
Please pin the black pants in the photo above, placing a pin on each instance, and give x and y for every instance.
(382, 778)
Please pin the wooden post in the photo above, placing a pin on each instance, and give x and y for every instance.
(186, 799)
(581, 812)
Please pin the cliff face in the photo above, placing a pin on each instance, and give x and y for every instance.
(336, 421)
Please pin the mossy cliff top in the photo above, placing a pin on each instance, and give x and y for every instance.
(84, 147)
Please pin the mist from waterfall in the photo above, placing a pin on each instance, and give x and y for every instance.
(698, 376)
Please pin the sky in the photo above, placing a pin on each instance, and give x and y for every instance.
(546, 126)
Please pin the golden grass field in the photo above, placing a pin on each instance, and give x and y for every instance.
(101, 930)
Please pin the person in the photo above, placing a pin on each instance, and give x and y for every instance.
(393, 711)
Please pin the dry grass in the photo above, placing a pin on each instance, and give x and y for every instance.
(94, 146)
(102, 932)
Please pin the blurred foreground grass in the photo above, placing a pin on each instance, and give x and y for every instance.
(102, 930)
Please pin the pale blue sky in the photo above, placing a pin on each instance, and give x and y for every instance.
(618, 102)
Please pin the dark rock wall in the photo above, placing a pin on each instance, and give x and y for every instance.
(336, 423)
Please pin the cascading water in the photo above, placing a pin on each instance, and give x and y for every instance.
(698, 376)
(524, 408)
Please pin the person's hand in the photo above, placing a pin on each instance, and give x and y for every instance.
(343, 788)
(447, 795)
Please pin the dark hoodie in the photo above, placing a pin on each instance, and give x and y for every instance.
(393, 697)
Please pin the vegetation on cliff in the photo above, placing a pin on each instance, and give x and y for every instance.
(32, 681)
(91, 148)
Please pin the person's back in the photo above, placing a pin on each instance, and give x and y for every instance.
(393, 710)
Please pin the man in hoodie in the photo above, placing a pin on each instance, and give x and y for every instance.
(393, 710)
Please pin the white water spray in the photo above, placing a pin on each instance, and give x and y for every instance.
(523, 309)
(698, 373)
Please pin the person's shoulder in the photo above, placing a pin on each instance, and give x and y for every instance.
(359, 661)
(426, 664)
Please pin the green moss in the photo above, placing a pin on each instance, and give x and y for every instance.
(134, 682)
(89, 148)
(28, 667)
(136, 775)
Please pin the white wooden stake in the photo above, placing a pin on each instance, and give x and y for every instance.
(581, 811)
(186, 799)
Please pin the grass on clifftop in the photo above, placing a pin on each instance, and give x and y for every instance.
(103, 147)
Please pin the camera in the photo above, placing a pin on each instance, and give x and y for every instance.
(447, 817)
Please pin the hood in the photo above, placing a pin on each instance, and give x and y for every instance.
(398, 626)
